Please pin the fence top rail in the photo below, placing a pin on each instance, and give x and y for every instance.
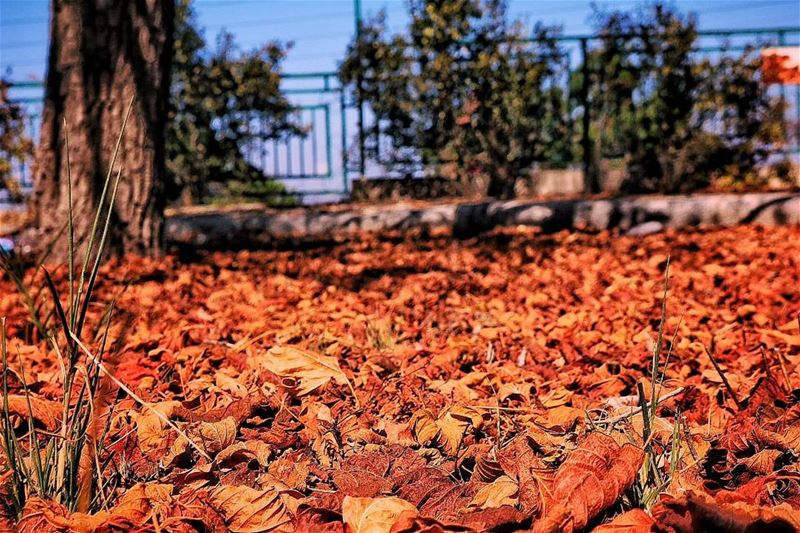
(24, 84)
(306, 75)
(285, 76)
(700, 33)
(326, 75)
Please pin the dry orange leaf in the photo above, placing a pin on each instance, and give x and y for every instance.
(502, 491)
(409, 523)
(448, 430)
(763, 462)
(560, 419)
(791, 340)
(245, 451)
(699, 508)
(133, 510)
(556, 397)
(374, 515)
(303, 371)
(590, 480)
(45, 412)
(249, 510)
(633, 521)
(424, 428)
(150, 427)
(454, 425)
(213, 437)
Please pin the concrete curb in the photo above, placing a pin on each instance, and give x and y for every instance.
(249, 227)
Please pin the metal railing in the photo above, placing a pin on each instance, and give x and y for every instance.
(307, 163)
(310, 164)
(318, 162)
(578, 49)
(711, 42)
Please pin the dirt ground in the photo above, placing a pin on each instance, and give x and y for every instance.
(410, 383)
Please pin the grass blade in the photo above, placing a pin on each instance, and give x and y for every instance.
(60, 312)
(710, 353)
(98, 257)
(37, 454)
(99, 212)
(654, 379)
(10, 443)
(70, 231)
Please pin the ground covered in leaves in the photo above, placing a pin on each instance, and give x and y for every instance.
(416, 383)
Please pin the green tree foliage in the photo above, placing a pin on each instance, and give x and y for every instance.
(462, 95)
(14, 143)
(220, 101)
(465, 93)
(515, 115)
(677, 119)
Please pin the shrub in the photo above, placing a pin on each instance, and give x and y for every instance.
(466, 94)
(679, 120)
(14, 143)
(462, 95)
(220, 101)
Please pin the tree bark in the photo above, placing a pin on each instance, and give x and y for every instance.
(501, 185)
(102, 54)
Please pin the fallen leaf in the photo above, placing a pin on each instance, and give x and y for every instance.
(303, 371)
(134, 509)
(245, 452)
(249, 510)
(424, 428)
(45, 412)
(560, 419)
(150, 427)
(762, 463)
(791, 340)
(502, 491)
(633, 521)
(213, 437)
(699, 512)
(455, 424)
(409, 523)
(448, 430)
(374, 515)
(592, 478)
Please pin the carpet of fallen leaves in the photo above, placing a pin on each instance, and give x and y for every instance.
(417, 383)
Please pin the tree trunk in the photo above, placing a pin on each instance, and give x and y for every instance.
(102, 54)
(501, 185)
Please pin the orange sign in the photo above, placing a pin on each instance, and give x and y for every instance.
(781, 65)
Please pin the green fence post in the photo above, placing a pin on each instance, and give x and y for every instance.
(359, 82)
(343, 120)
(590, 182)
(328, 151)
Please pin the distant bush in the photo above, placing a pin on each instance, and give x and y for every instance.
(679, 120)
(461, 95)
(220, 101)
(15, 145)
(466, 94)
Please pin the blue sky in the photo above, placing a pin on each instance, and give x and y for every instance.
(321, 29)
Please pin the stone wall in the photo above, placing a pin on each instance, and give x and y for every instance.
(248, 226)
(256, 227)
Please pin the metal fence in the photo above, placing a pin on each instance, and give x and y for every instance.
(592, 148)
(710, 43)
(323, 162)
(313, 164)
